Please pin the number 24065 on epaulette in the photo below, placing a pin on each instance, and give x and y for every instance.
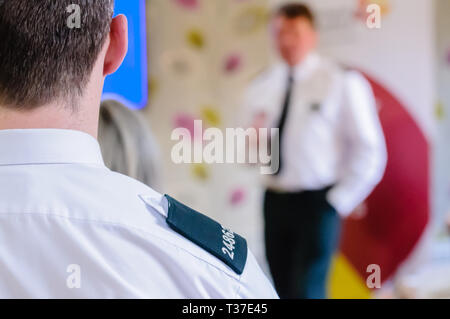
(228, 242)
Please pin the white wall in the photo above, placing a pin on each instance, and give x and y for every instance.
(442, 146)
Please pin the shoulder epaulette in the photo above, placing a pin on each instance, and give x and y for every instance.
(208, 234)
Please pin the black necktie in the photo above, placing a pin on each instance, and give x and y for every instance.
(283, 118)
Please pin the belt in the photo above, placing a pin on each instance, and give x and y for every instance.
(275, 190)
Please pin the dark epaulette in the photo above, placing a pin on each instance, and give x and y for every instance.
(208, 234)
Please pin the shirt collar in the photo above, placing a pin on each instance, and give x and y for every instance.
(48, 146)
(303, 69)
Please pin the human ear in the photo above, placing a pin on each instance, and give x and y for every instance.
(118, 45)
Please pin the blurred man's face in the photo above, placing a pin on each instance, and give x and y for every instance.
(295, 38)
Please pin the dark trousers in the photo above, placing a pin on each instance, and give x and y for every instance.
(301, 236)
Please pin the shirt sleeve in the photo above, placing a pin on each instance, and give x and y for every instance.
(364, 144)
(253, 283)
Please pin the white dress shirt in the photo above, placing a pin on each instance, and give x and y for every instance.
(332, 135)
(71, 228)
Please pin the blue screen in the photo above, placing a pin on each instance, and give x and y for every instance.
(129, 84)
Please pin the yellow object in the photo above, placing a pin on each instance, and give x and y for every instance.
(196, 38)
(152, 87)
(345, 282)
(211, 116)
(440, 111)
(200, 171)
(384, 5)
(252, 19)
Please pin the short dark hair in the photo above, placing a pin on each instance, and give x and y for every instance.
(44, 59)
(296, 10)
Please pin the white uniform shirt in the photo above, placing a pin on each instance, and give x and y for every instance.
(66, 221)
(332, 134)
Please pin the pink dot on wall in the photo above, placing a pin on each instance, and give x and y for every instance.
(188, 4)
(186, 121)
(232, 63)
(237, 196)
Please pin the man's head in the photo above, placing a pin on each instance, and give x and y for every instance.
(295, 33)
(46, 59)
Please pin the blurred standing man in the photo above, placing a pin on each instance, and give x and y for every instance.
(332, 153)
